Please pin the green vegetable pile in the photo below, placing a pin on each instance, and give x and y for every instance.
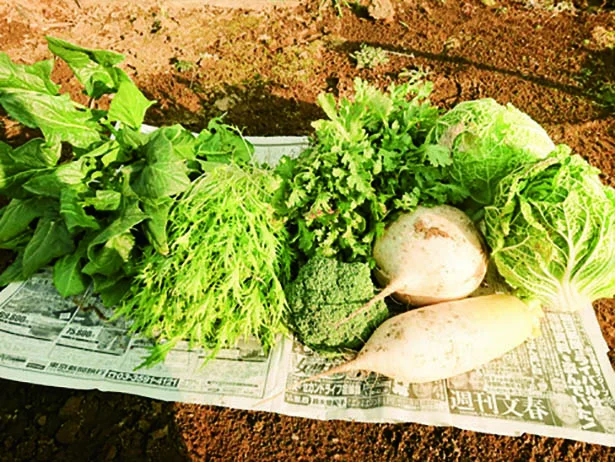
(367, 162)
(552, 232)
(223, 277)
(487, 141)
(190, 240)
(90, 194)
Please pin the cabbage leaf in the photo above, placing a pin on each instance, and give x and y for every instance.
(552, 232)
(487, 141)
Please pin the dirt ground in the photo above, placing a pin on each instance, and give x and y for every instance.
(264, 68)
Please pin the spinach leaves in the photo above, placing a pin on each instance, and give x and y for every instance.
(90, 216)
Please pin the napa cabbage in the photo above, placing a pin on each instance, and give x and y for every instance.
(486, 141)
(551, 230)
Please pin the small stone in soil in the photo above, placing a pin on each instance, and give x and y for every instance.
(160, 433)
(67, 434)
(71, 407)
(143, 425)
(381, 10)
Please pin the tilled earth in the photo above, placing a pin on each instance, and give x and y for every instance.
(264, 68)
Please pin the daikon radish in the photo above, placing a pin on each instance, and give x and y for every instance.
(443, 340)
(446, 339)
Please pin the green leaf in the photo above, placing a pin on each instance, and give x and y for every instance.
(129, 105)
(71, 208)
(13, 273)
(20, 164)
(36, 154)
(130, 216)
(438, 155)
(182, 140)
(30, 97)
(95, 69)
(111, 290)
(156, 224)
(162, 179)
(108, 152)
(51, 184)
(105, 200)
(327, 103)
(223, 143)
(131, 139)
(165, 174)
(110, 258)
(67, 275)
(18, 214)
(56, 116)
(51, 239)
(36, 77)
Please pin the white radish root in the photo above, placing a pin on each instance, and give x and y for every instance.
(443, 340)
(431, 255)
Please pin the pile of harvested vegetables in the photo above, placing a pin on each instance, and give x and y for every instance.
(395, 206)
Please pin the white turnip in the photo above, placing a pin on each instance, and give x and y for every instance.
(431, 255)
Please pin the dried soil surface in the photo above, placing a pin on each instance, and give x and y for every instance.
(264, 69)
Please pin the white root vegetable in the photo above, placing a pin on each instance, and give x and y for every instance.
(443, 340)
(446, 339)
(431, 255)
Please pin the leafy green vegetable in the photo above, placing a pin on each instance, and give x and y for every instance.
(18, 214)
(365, 163)
(165, 173)
(486, 142)
(95, 69)
(323, 295)
(67, 273)
(92, 214)
(552, 232)
(129, 105)
(29, 96)
(51, 239)
(222, 278)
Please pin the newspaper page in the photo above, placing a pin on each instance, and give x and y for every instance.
(559, 384)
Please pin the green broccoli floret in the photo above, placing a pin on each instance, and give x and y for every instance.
(325, 293)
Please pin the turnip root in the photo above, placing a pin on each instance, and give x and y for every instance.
(443, 340)
(429, 256)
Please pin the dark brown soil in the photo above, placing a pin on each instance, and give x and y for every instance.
(264, 68)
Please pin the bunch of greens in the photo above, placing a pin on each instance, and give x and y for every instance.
(364, 163)
(90, 194)
(324, 294)
(486, 142)
(223, 277)
(552, 232)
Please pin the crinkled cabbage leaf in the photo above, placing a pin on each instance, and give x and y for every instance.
(487, 141)
(552, 232)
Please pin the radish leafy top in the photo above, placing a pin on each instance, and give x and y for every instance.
(366, 162)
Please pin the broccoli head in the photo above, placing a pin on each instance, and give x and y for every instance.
(324, 294)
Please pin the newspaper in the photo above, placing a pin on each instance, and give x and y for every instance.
(559, 384)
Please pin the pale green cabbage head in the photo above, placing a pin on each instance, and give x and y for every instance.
(552, 232)
(487, 141)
